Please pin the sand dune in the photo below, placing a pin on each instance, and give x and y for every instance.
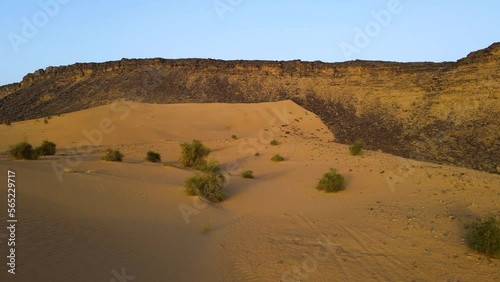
(398, 219)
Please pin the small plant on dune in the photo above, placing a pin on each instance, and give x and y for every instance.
(484, 236)
(6, 122)
(207, 184)
(274, 142)
(45, 120)
(257, 154)
(234, 137)
(23, 151)
(247, 174)
(112, 156)
(193, 153)
(200, 165)
(153, 157)
(69, 170)
(46, 149)
(277, 158)
(211, 166)
(331, 182)
(207, 227)
(356, 148)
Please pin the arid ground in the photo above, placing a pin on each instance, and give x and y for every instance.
(83, 219)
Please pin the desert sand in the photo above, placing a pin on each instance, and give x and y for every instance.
(89, 220)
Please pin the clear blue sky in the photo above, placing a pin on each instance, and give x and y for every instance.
(64, 32)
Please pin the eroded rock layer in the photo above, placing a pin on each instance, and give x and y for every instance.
(439, 112)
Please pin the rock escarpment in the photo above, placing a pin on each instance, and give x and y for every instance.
(438, 112)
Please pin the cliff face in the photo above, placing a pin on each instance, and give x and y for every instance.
(438, 112)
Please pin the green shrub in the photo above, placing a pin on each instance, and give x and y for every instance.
(257, 154)
(153, 157)
(200, 165)
(207, 184)
(247, 174)
(46, 149)
(274, 142)
(212, 167)
(23, 151)
(234, 137)
(277, 158)
(484, 236)
(331, 182)
(357, 148)
(112, 156)
(207, 227)
(193, 153)
(6, 121)
(45, 120)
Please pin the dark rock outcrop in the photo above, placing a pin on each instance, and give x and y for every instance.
(439, 112)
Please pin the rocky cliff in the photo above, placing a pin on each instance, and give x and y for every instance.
(439, 112)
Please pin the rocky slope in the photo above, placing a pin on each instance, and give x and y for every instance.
(438, 112)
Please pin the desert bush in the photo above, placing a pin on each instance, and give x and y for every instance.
(356, 148)
(112, 156)
(277, 158)
(207, 227)
(153, 157)
(200, 165)
(45, 120)
(23, 151)
(484, 236)
(207, 184)
(331, 182)
(6, 121)
(234, 137)
(46, 149)
(257, 154)
(274, 142)
(247, 174)
(211, 167)
(193, 153)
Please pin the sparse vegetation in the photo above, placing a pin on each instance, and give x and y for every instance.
(45, 120)
(274, 142)
(234, 137)
(247, 174)
(112, 156)
(6, 122)
(207, 227)
(257, 154)
(69, 170)
(200, 165)
(484, 236)
(193, 154)
(23, 151)
(46, 149)
(277, 158)
(207, 184)
(331, 182)
(356, 148)
(153, 157)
